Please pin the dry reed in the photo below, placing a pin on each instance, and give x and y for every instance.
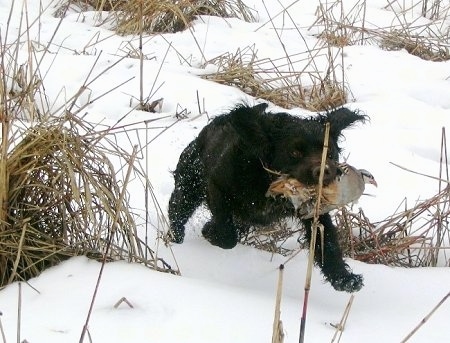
(279, 81)
(414, 237)
(427, 48)
(64, 200)
(151, 16)
(60, 193)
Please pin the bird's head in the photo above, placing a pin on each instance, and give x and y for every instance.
(368, 177)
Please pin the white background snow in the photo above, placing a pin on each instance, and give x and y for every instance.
(229, 296)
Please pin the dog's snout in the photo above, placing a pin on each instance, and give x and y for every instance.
(329, 173)
(316, 171)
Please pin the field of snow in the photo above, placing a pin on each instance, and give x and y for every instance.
(229, 296)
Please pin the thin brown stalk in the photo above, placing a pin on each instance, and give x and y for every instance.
(19, 312)
(340, 327)
(19, 253)
(422, 174)
(4, 122)
(2, 331)
(277, 330)
(441, 219)
(141, 54)
(314, 227)
(425, 319)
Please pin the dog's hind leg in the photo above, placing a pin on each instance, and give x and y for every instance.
(333, 267)
(189, 192)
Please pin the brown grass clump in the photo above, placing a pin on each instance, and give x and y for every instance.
(136, 16)
(173, 15)
(278, 81)
(413, 237)
(339, 27)
(335, 38)
(427, 41)
(63, 199)
(423, 47)
(60, 194)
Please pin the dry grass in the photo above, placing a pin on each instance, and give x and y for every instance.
(61, 196)
(338, 27)
(414, 237)
(429, 41)
(151, 16)
(60, 193)
(411, 238)
(285, 82)
(313, 79)
(276, 239)
(427, 48)
(64, 200)
(174, 16)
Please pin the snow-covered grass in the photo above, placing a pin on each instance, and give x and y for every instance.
(229, 296)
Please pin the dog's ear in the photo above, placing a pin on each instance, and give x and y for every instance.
(250, 125)
(343, 118)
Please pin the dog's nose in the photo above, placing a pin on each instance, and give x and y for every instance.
(327, 173)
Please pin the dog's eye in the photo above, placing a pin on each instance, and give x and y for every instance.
(296, 154)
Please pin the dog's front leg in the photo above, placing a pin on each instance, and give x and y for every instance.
(328, 256)
(220, 230)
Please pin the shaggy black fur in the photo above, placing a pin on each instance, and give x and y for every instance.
(224, 167)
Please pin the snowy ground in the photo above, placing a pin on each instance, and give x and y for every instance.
(229, 296)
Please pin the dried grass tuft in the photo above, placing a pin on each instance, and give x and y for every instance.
(415, 237)
(278, 81)
(339, 27)
(427, 41)
(173, 16)
(169, 16)
(64, 200)
(424, 47)
(60, 195)
(275, 239)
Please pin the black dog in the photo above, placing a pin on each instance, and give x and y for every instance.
(225, 166)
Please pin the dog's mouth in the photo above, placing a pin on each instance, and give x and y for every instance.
(312, 177)
(309, 177)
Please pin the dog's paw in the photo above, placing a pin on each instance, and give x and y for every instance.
(225, 239)
(175, 236)
(348, 283)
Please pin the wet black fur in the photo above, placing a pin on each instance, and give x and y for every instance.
(224, 167)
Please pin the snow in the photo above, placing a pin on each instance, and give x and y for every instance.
(229, 296)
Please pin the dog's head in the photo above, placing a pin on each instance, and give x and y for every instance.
(292, 145)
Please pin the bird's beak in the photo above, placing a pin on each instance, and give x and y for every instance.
(373, 182)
